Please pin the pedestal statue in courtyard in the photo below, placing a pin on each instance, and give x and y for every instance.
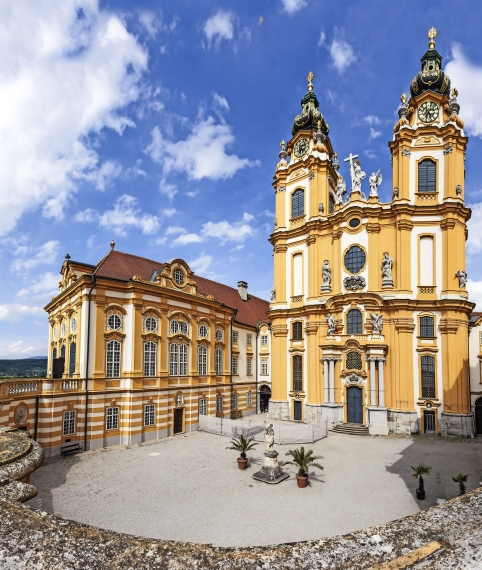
(271, 471)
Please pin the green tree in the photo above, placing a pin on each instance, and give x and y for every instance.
(303, 460)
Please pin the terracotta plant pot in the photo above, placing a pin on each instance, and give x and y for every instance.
(242, 463)
(302, 481)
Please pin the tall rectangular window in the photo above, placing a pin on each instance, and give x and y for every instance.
(264, 367)
(219, 404)
(427, 327)
(297, 274)
(69, 423)
(298, 203)
(72, 355)
(426, 261)
(203, 361)
(149, 359)
(235, 336)
(218, 361)
(297, 330)
(249, 366)
(297, 373)
(264, 340)
(428, 377)
(203, 407)
(249, 399)
(427, 176)
(149, 415)
(249, 339)
(354, 322)
(112, 418)
(173, 360)
(235, 401)
(113, 359)
(183, 360)
(235, 364)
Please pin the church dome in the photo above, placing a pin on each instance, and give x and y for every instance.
(310, 117)
(431, 77)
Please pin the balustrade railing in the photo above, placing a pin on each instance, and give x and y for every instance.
(23, 387)
(70, 385)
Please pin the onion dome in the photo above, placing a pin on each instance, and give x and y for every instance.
(431, 77)
(310, 117)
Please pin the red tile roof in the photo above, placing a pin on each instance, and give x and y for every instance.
(123, 266)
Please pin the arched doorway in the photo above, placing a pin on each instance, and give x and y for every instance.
(264, 397)
(355, 405)
(478, 416)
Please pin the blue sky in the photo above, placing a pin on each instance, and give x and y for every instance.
(158, 123)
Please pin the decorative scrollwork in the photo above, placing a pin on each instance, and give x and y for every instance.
(353, 283)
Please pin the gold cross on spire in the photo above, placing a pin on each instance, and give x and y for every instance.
(432, 34)
(310, 78)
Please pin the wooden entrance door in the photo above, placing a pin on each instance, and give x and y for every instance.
(178, 420)
(297, 410)
(428, 421)
(355, 405)
(478, 416)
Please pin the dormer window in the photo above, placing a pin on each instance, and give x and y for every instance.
(427, 176)
(178, 276)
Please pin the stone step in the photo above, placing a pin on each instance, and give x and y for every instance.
(351, 429)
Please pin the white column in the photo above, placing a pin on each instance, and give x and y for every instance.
(326, 380)
(381, 384)
(332, 381)
(373, 391)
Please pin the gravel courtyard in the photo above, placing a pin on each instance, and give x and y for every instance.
(189, 488)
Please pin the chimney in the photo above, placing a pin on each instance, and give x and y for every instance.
(243, 290)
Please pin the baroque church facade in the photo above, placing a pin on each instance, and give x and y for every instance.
(369, 312)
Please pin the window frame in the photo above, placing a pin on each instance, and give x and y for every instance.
(115, 365)
(68, 422)
(201, 327)
(428, 392)
(249, 366)
(183, 360)
(114, 316)
(249, 339)
(173, 359)
(219, 404)
(298, 208)
(349, 313)
(361, 251)
(112, 415)
(178, 271)
(150, 357)
(235, 336)
(149, 414)
(149, 319)
(263, 371)
(218, 361)
(235, 365)
(297, 372)
(420, 163)
(235, 401)
(73, 325)
(202, 360)
(218, 336)
(264, 340)
(424, 327)
(203, 407)
(295, 333)
(249, 399)
(72, 358)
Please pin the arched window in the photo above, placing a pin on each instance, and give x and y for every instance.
(62, 351)
(427, 176)
(202, 360)
(72, 354)
(298, 203)
(218, 361)
(354, 322)
(113, 359)
(150, 358)
(297, 373)
(54, 354)
(427, 327)
(428, 377)
(183, 360)
(331, 207)
(173, 360)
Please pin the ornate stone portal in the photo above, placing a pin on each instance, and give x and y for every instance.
(271, 471)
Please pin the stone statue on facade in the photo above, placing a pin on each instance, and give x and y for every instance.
(340, 190)
(395, 193)
(462, 276)
(387, 265)
(357, 176)
(331, 324)
(326, 276)
(377, 323)
(375, 180)
(272, 295)
(321, 208)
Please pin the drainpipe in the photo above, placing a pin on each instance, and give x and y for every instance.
(87, 366)
(36, 416)
(231, 361)
(257, 335)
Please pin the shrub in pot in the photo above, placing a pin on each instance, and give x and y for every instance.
(461, 479)
(418, 471)
(303, 460)
(242, 444)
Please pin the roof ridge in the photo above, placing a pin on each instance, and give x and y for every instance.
(229, 287)
(113, 251)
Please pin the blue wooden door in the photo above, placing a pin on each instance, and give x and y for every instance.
(355, 410)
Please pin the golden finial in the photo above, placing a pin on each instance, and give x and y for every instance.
(403, 98)
(282, 144)
(112, 244)
(310, 78)
(454, 93)
(432, 34)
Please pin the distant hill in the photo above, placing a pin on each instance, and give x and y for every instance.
(35, 367)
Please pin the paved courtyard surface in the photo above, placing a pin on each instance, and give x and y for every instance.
(189, 488)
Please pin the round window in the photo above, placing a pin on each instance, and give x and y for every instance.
(183, 327)
(203, 331)
(174, 327)
(178, 276)
(114, 322)
(354, 223)
(355, 259)
(151, 324)
(219, 334)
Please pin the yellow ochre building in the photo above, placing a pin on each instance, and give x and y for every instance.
(369, 312)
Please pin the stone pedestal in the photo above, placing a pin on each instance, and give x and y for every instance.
(333, 413)
(387, 283)
(378, 420)
(271, 471)
(325, 288)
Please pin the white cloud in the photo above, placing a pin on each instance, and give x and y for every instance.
(192, 194)
(269, 213)
(14, 312)
(201, 155)
(373, 134)
(321, 41)
(169, 212)
(219, 27)
(88, 215)
(47, 284)
(248, 217)
(201, 264)
(372, 120)
(370, 154)
(467, 77)
(342, 54)
(475, 293)
(152, 23)
(221, 102)
(474, 240)
(43, 254)
(224, 231)
(67, 72)
(17, 349)
(103, 176)
(172, 230)
(168, 189)
(184, 239)
(292, 6)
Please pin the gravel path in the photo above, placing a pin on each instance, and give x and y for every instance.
(188, 488)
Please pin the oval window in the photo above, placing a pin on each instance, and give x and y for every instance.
(114, 322)
(203, 331)
(354, 223)
(174, 326)
(151, 324)
(178, 276)
(355, 259)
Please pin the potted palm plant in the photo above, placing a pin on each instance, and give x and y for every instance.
(242, 444)
(303, 460)
(418, 471)
(461, 479)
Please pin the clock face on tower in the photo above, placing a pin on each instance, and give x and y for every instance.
(301, 148)
(428, 112)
